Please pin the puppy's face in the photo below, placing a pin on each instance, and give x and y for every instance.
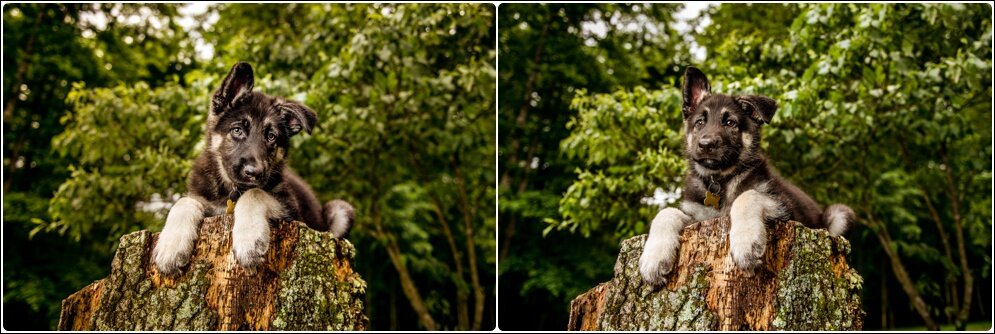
(721, 131)
(249, 132)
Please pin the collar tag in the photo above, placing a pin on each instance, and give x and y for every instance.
(232, 197)
(711, 200)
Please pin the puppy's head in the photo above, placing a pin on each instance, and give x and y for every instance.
(249, 132)
(721, 131)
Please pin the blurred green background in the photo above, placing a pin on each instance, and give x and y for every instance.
(884, 107)
(104, 106)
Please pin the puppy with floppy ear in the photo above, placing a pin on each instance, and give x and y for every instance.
(729, 174)
(243, 171)
(760, 108)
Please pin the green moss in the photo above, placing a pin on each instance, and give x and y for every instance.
(811, 296)
(310, 296)
(631, 305)
(808, 294)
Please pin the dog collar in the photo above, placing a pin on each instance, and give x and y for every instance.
(232, 198)
(712, 198)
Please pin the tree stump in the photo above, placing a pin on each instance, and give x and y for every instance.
(305, 283)
(804, 284)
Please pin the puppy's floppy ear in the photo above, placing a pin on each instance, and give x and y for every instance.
(760, 108)
(298, 117)
(695, 89)
(234, 90)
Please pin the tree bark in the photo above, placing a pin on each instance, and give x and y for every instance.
(468, 232)
(964, 309)
(305, 283)
(407, 283)
(901, 275)
(804, 283)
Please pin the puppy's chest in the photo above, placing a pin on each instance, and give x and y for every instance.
(216, 208)
(716, 199)
(708, 205)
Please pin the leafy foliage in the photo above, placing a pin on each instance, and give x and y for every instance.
(628, 143)
(117, 168)
(404, 96)
(49, 49)
(549, 53)
(883, 107)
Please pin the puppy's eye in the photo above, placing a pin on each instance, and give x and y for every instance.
(270, 137)
(699, 122)
(730, 123)
(237, 132)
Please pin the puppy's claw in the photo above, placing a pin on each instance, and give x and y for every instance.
(662, 243)
(250, 241)
(746, 265)
(654, 274)
(170, 257)
(249, 256)
(176, 241)
(657, 261)
(747, 251)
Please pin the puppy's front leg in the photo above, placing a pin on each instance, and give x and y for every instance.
(250, 235)
(177, 238)
(660, 251)
(748, 233)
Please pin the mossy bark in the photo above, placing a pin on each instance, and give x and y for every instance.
(305, 283)
(804, 283)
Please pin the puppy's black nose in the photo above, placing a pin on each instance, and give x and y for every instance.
(707, 142)
(251, 171)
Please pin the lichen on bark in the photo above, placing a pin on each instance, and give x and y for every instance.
(804, 283)
(306, 282)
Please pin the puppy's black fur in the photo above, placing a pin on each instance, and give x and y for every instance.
(729, 174)
(723, 150)
(247, 135)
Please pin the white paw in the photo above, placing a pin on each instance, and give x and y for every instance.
(176, 241)
(748, 233)
(660, 250)
(657, 260)
(250, 235)
(250, 240)
(747, 243)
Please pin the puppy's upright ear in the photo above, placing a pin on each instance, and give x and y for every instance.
(760, 108)
(298, 117)
(236, 88)
(695, 89)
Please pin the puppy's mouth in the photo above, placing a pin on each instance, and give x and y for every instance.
(709, 163)
(248, 181)
(243, 181)
(246, 185)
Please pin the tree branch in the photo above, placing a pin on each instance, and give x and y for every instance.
(462, 311)
(407, 284)
(951, 279)
(881, 231)
(478, 290)
(523, 109)
(8, 110)
(965, 308)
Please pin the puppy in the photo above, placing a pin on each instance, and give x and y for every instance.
(243, 171)
(728, 174)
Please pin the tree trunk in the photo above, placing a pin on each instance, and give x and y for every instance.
(804, 284)
(305, 283)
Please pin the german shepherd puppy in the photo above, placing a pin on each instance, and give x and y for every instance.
(728, 174)
(244, 163)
